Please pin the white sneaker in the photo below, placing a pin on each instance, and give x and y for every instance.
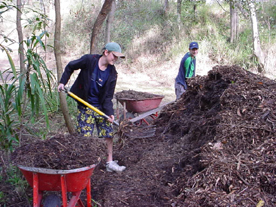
(112, 166)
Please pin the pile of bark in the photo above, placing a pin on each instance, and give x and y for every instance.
(226, 127)
(134, 95)
(61, 152)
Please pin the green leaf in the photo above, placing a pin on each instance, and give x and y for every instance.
(32, 85)
(10, 61)
(18, 98)
(42, 100)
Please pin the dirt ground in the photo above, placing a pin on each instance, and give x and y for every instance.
(213, 147)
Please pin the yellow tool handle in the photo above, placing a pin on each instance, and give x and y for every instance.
(86, 103)
(89, 105)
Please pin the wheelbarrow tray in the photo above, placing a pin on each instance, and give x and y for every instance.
(140, 106)
(74, 181)
(49, 179)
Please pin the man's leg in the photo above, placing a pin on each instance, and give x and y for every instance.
(105, 130)
(109, 146)
(179, 90)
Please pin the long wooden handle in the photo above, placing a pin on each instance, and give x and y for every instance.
(89, 105)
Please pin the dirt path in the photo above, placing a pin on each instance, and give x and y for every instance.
(144, 83)
(157, 79)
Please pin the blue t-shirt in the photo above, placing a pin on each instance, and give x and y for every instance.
(98, 80)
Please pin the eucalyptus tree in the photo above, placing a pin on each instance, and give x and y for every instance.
(248, 8)
(57, 51)
(99, 22)
(166, 6)
(20, 36)
(257, 50)
(234, 21)
(109, 22)
(178, 11)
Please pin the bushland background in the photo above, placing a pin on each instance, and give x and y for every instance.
(154, 36)
(154, 41)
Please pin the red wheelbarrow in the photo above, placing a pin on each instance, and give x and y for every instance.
(74, 181)
(144, 108)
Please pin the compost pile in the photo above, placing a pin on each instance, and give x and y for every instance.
(61, 152)
(134, 95)
(213, 147)
(226, 125)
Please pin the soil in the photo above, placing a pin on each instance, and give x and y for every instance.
(134, 95)
(61, 152)
(215, 146)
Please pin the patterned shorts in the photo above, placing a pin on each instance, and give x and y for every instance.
(87, 118)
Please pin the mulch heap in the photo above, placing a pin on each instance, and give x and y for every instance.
(213, 147)
(225, 125)
(61, 152)
(134, 95)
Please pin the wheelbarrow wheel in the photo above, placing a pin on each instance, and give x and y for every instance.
(52, 200)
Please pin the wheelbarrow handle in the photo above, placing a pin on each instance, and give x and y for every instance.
(88, 105)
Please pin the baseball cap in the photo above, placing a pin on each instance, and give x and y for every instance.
(115, 49)
(193, 45)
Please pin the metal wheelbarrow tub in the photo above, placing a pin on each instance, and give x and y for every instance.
(75, 180)
(140, 106)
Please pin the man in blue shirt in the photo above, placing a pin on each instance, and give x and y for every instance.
(95, 84)
(186, 70)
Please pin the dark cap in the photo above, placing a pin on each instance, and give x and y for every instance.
(193, 45)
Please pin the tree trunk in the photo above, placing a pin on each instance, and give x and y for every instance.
(166, 6)
(242, 10)
(42, 5)
(195, 9)
(99, 22)
(256, 40)
(109, 22)
(20, 37)
(234, 22)
(63, 103)
(178, 10)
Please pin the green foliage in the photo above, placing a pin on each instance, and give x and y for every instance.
(189, 12)
(134, 20)
(4, 7)
(267, 14)
(77, 26)
(34, 19)
(77, 31)
(144, 16)
(2, 197)
(8, 107)
(22, 97)
(14, 177)
(36, 84)
(9, 58)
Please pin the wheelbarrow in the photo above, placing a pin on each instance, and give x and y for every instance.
(145, 107)
(74, 181)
